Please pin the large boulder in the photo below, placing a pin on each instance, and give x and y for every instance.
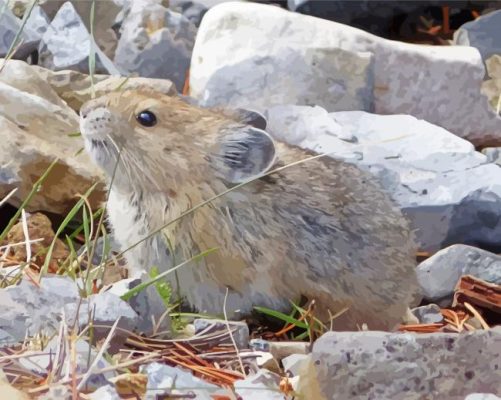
(381, 365)
(256, 56)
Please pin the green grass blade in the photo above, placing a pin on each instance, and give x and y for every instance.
(137, 289)
(163, 288)
(61, 228)
(36, 187)
(281, 316)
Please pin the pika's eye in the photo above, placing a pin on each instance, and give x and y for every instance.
(146, 118)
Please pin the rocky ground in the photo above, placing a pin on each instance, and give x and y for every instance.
(410, 91)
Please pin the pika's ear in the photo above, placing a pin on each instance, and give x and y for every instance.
(248, 117)
(244, 154)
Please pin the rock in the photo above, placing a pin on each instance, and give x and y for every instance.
(193, 11)
(162, 379)
(482, 33)
(75, 88)
(67, 44)
(439, 274)
(35, 123)
(6, 339)
(28, 309)
(38, 21)
(156, 43)
(493, 155)
(106, 15)
(262, 386)
(39, 227)
(259, 345)
(9, 27)
(267, 361)
(449, 192)
(482, 396)
(107, 392)
(85, 356)
(491, 88)
(103, 309)
(281, 350)
(381, 365)
(57, 392)
(146, 303)
(336, 67)
(240, 330)
(294, 363)
(429, 314)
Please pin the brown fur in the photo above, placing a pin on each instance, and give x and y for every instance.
(323, 229)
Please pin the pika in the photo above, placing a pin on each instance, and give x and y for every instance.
(323, 229)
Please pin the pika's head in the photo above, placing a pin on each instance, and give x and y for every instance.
(150, 141)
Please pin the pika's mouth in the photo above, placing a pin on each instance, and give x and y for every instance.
(98, 144)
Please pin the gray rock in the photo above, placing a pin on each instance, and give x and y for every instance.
(192, 10)
(166, 380)
(7, 339)
(9, 27)
(281, 350)
(262, 386)
(429, 314)
(66, 45)
(492, 154)
(317, 62)
(156, 42)
(381, 365)
(103, 309)
(240, 333)
(146, 304)
(449, 192)
(107, 392)
(28, 309)
(439, 274)
(38, 21)
(85, 355)
(294, 363)
(483, 33)
(102, 250)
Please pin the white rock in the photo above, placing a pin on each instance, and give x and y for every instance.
(235, 62)
(450, 192)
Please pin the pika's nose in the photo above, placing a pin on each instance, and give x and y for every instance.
(90, 105)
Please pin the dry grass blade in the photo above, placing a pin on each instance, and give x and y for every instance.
(231, 334)
(477, 315)
(99, 355)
